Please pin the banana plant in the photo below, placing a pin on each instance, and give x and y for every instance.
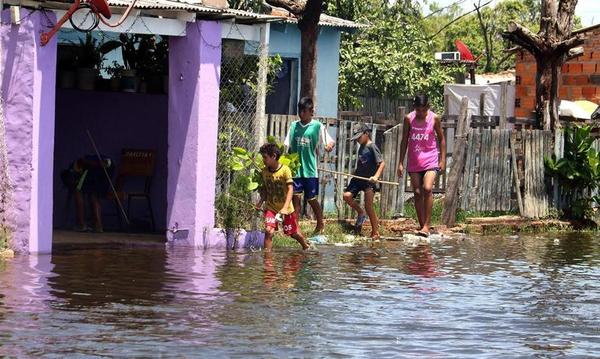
(579, 169)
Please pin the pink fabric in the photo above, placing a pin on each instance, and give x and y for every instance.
(422, 143)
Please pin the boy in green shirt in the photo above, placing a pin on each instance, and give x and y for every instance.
(304, 138)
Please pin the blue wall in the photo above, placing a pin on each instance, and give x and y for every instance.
(285, 41)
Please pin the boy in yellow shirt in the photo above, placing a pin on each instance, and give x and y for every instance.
(276, 193)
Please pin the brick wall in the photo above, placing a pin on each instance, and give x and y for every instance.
(579, 79)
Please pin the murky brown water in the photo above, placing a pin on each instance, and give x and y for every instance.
(490, 297)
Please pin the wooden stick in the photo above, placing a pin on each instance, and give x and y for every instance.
(358, 177)
(513, 156)
(108, 178)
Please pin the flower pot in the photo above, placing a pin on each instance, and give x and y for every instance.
(154, 83)
(115, 84)
(86, 78)
(67, 79)
(102, 84)
(129, 81)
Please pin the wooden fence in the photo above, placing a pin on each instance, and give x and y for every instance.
(502, 169)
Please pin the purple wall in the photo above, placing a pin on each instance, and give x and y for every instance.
(116, 120)
(28, 80)
(194, 68)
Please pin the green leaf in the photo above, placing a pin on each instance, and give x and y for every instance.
(252, 186)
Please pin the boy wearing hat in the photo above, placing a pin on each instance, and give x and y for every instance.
(369, 165)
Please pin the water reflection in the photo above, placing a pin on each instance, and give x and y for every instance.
(530, 296)
(423, 262)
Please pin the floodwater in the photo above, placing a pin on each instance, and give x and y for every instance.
(473, 297)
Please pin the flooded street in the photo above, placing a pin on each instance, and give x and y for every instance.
(477, 297)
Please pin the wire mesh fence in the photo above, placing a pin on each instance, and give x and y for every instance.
(237, 105)
(237, 126)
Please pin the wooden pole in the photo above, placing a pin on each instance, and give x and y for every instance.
(358, 177)
(458, 164)
(112, 187)
(515, 168)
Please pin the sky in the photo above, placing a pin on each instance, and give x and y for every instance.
(588, 10)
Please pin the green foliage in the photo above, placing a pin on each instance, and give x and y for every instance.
(91, 51)
(247, 5)
(392, 58)
(115, 70)
(249, 165)
(578, 172)
(239, 79)
(472, 31)
(234, 207)
(144, 54)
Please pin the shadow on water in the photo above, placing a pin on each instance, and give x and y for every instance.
(529, 295)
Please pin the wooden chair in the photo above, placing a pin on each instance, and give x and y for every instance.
(136, 165)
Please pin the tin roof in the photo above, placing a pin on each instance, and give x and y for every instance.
(331, 21)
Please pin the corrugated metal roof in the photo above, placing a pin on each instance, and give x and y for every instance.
(193, 6)
(165, 5)
(332, 21)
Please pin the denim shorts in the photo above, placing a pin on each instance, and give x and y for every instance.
(308, 186)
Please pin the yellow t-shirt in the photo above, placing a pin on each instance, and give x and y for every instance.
(275, 187)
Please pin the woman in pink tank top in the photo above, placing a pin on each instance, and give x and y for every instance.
(423, 137)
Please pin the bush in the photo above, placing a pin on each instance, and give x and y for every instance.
(578, 172)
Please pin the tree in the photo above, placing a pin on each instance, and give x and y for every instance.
(308, 13)
(391, 58)
(551, 47)
(481, 30)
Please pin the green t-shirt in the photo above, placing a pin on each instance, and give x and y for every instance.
(304, 140)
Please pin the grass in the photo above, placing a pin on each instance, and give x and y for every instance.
(461, 216)
(335, 232)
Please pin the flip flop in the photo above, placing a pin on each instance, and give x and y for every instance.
(360, 220)
(422, 234)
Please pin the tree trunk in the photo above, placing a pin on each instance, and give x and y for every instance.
(551, 48)
(309, 28)
(547, 77)
(486, 38)
(308, 62)
(308, 14)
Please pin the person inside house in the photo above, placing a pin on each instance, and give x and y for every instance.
(87, 179)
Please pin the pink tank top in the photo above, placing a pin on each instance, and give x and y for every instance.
(422, 144)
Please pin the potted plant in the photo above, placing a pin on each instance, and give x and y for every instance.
(157, 69)
(66, 66)
(89, 60)
(162, 58)
(129, 78)
(115, 71)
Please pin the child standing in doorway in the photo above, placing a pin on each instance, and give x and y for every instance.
(276, 193)
(423, 138)
(369, 165)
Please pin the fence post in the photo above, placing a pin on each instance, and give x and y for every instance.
(558, 153)
(260, 130)
(503, 105)
(458, 162)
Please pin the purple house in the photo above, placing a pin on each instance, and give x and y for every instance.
(45, 126)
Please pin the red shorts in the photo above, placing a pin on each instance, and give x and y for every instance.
(290, 224)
